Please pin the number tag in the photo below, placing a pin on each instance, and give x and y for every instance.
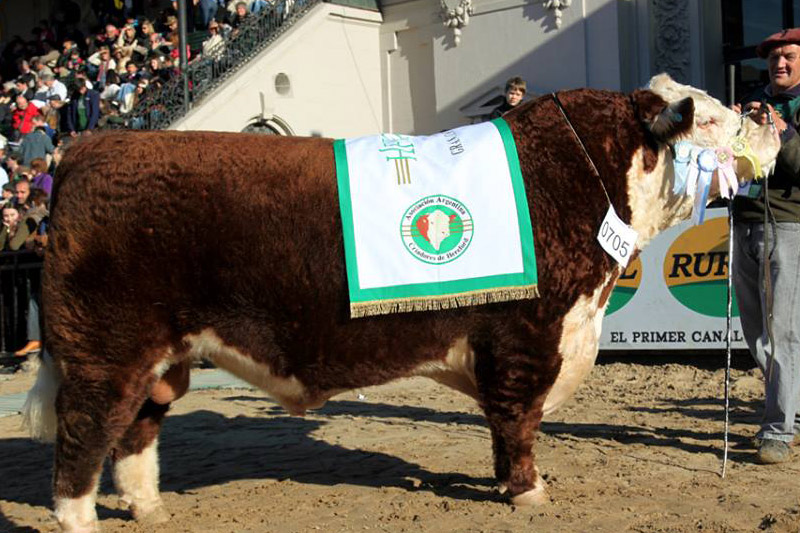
(617, 238)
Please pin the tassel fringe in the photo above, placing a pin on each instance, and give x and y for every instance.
(436, 303)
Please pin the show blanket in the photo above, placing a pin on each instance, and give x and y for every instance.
(434, 222)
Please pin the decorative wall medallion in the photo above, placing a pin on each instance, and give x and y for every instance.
(457, 17)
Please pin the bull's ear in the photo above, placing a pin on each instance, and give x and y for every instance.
(664, 120)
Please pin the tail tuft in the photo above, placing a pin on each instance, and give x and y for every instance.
(39, 411)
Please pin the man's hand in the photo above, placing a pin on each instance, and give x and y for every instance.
(760, 114)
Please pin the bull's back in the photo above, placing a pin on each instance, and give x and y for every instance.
(183, 218)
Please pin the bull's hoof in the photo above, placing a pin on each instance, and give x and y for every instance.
(502, 488)
(533, 497)
(151, 515)
(72, 527)
(536, 496)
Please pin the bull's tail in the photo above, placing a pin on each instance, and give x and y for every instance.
(39, 411)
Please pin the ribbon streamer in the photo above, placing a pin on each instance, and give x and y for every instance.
(706, 165)
(694, 171)
(726, 177)
(683, 154)
(741, 148)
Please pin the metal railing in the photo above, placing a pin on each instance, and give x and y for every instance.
(20, 274)
(158, 109)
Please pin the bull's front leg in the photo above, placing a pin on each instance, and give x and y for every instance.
(513, 386)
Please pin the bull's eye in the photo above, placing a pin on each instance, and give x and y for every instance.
(705, 123)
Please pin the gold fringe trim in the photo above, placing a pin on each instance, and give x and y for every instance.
(445, 301)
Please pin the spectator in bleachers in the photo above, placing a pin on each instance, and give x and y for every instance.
(157, 43)
(112, 85)
(24, 225)
(22, 120)
(8, 193)
(101, 63)
(83, 111)
(22, 190)
(25, 73)
(56, 90)
(128, 42)
(171, 26)
(155, 69)
(132, 73)
(36, 144)
(146, 30)
(239, 16)
(214, 46)
(41, 179)
(14, 166)
(21, 87)
(109, 37)
(61, 63)
(40, 67)
(75, 63)
(11, 218)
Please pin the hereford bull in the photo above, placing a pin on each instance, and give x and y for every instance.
(170, 246)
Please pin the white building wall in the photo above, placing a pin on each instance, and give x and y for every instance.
(355, 72)
(432, 84)
(331, 57)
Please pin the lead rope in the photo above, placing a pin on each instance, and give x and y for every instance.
(728, 340)
(729, 328)
(583, 147)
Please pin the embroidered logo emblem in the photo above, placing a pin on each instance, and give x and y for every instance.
(436, 229)
(400, 149)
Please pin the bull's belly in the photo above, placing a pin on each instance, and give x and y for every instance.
(578, 348)
(289, 391)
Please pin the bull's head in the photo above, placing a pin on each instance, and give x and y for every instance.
(674, 112)
(716, 126)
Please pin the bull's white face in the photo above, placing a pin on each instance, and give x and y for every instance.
(716, 125)
(654, 205)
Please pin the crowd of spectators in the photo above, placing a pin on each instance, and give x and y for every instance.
(66, 80)
(79, 80)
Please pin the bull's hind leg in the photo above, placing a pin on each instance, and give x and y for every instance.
(135, 459)
(513, 386)
(93, 412)
(135, 455)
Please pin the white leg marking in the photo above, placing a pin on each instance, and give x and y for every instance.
(78, 515)
(136, 478)
(536, 496)
(289, 391)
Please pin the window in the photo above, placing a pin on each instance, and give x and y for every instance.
(745, 23)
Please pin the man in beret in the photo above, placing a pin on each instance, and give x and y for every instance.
(769, 306)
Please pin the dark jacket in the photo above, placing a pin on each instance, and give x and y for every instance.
(92, 102)
(784, 184)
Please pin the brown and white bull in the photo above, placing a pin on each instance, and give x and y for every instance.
(167, 247)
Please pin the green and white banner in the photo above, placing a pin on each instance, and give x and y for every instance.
(434, 222)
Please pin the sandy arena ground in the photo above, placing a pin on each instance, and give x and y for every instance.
(638, 449)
